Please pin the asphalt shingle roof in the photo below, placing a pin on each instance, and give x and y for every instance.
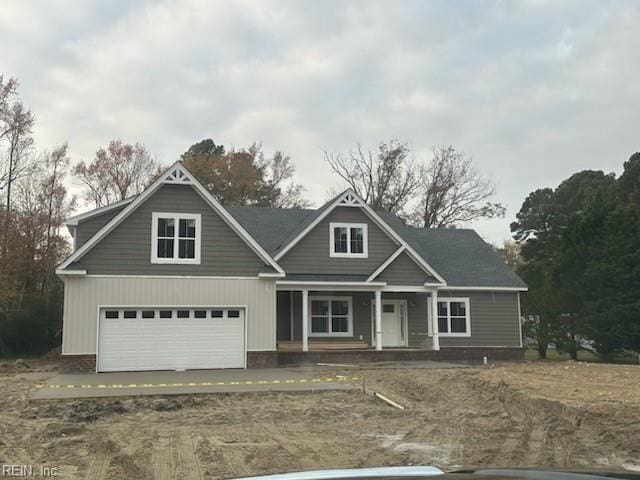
(460, 256)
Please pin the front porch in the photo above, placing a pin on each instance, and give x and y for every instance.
(323, 318)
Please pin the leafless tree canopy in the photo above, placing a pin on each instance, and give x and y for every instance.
(446, 192)
(385, 179)
(118, 171)
(453, 192)
(16, 142)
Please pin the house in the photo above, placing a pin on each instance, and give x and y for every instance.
(170, 279)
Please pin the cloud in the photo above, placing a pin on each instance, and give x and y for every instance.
(533, 90)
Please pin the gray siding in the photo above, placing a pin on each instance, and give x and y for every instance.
(88, 228)
(404, 271)
(362, 315)
(494, 320)
(311, 254)
(84, 296)
(127, 249)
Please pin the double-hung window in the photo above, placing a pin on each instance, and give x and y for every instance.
(348, 240)
(453, 317)
(331, 317)
(175, 238)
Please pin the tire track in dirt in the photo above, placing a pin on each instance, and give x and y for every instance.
(175, 457)
(161, 460)
(188, 465)
(98, 467)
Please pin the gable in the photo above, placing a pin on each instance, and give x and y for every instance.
(404, 271)
(126, 250)
(311, 253)
(89, 227)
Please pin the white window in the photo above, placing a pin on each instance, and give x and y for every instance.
(348, 240)
(175, 238)
(331, 317)
(453, 317)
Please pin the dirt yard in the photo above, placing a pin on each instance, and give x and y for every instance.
(560, 414)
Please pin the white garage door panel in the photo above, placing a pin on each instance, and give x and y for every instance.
(128, 344)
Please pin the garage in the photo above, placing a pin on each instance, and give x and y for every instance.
(179, 338)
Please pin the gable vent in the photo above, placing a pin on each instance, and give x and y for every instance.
(350, 200)
(177, 175)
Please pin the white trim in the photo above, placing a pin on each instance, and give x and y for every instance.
(378, 320)
(328, 288)
(176, 217)
(174, 306)
(449, 300)
(348, 227)
(215, 205)
(73, 221)
(487, 289)
(329, 299)
(305, 320)
(386, 263)
(480, 346)
(209, 277)
(376, 219)
(435, 333)
(290, 315)
(406, 288)
(337, 284)
(271, 275)
(73, 231)
(74, 273)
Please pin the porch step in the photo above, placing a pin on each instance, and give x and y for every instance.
(293, 346)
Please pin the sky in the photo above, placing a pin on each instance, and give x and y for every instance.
(533, 91)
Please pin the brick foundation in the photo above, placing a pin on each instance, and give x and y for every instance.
(466, 355)
(87, 363)
(262, 359)
(77, 364)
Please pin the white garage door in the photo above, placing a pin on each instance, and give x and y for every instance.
(170, 338)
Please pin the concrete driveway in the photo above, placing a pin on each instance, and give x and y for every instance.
(194, 381)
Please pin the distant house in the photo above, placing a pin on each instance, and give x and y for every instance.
(170, 279)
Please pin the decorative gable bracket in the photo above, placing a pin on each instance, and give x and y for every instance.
(350, 200)
(177, 175)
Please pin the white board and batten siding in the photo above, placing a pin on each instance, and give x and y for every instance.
(85, 297)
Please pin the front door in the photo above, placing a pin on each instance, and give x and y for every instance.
(393, 328)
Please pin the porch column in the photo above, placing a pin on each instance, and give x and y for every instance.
(305, 320)
(434, 320)
(378, 309)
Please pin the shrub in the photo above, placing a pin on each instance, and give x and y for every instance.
(34, 330)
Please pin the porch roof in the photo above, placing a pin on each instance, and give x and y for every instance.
(321, 277)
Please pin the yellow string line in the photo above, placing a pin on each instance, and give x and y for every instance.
(204, 384)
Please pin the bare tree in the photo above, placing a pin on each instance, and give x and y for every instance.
(16, 145)
(118, 171)
(16, 125)
(453, 192)
(57, 206)
(385, 179)
(278, 189)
